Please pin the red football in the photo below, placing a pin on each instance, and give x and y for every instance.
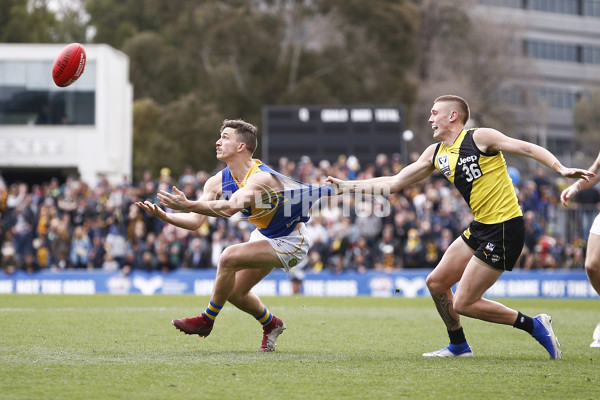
(69, 65)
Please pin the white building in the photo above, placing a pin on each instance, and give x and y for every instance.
(85, 128)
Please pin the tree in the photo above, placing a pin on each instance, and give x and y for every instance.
(34, 21)
(115, 21)
(26, 21)
(230, 58)
(176, 135)
(587, 126)
(155, 68)
(466, 54)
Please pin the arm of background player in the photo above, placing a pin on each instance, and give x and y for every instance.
(190, 220)
(581, 184)
(412, 173)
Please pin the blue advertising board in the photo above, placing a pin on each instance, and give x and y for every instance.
(407, 283)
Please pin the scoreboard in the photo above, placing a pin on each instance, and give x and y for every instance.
(326, 132)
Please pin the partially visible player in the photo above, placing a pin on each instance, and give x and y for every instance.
(472, 160)
(592, 256)
(277, 205)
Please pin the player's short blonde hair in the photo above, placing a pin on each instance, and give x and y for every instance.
(461, 104)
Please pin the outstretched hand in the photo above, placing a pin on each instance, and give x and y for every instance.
(175, 200)
(335, 183)
(568, 194)
(576, 173)
(151, 209)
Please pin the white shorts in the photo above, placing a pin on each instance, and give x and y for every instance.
(595, 229)
(290, 249)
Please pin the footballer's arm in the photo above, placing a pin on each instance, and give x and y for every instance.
(256, 185)
(490, 141)
(190, 220)
(412, 173)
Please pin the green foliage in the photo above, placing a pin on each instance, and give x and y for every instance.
(18, 24)
(587, 125)
(233, 57)
(176, 135)
(33, 22)
(117, 20)
(117, 347)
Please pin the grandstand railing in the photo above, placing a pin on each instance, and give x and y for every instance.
(570, 224)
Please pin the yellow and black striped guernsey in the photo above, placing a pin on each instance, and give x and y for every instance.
(481, 178)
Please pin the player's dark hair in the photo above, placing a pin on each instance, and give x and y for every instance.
(463, 111)
(246, 132)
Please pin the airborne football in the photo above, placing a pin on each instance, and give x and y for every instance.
(69, 65)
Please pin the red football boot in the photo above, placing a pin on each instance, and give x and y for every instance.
(200, 325)
(271, 332)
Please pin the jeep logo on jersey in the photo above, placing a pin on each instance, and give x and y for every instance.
(464, 160)
(444, 164)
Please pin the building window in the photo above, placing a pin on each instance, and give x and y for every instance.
(552, 50)
(591, 8)
(562, 51)
(503, 3)
(551, 97)
(555, 6)
(513, 95)
(557, 98)
(558, 145)
(28, 96)
(588, 8)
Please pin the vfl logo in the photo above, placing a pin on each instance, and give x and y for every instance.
(148, 286)
(444, 164)
(410, 287)
(490, 246)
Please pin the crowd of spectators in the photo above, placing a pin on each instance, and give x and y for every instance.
(71, 225)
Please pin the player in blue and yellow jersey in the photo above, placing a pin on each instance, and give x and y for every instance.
(277, 205)
(472, 160)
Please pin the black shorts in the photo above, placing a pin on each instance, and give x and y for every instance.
(497, 245)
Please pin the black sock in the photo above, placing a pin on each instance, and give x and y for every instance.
(457, 336)
(524, 322)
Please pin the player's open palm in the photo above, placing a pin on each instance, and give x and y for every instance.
(151, 208)
(175, 200)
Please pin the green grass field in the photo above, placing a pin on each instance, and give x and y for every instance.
(114, 347)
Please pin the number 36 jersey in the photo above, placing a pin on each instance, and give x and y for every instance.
(481, 178)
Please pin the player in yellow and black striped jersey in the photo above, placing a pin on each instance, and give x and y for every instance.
(472, 160)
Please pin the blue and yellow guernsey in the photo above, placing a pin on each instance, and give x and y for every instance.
(278, 212)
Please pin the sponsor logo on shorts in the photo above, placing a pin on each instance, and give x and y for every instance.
(467, 233)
